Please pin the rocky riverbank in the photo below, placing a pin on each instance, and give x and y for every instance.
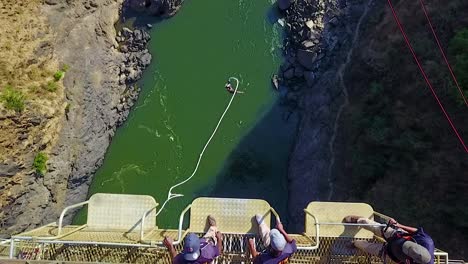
(319, 44)
(99, 91)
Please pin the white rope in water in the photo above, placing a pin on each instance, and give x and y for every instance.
(171, 195)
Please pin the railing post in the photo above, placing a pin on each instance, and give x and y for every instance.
(12, 247)
(59, 232)
(317, 231)
(181, 221)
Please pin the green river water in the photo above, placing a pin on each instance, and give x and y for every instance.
(182, 98)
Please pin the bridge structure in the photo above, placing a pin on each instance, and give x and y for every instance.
(123, 228)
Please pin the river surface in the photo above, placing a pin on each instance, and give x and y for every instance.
(183, 97)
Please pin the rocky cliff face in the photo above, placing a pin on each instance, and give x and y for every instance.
(98, 90)
(319, 44)
(97, 96)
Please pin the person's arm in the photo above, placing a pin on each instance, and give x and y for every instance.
(280, 228)
(408, 229)
(219, 244)
(252, 249)
(168, 243)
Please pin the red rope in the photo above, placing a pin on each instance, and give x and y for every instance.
(442, 51)
(397, 20)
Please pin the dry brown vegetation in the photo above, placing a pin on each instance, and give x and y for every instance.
(27, 64)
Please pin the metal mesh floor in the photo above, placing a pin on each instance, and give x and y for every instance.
(332, 250)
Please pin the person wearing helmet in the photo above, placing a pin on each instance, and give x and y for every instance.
(279, 245)
(229, 88)
(404, 244)
(198, 250)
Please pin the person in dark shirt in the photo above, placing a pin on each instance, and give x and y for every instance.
(229, 88)
(198, 250)
(404, 244)
(280, 246)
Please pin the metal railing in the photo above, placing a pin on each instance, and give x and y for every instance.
(236, 246)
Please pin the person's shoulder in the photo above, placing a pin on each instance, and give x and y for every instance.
(420, 231)
(261, 258)
(290, 247)
(423, 238)
(210, 251)
(179, 259)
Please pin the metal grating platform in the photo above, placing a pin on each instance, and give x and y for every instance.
(119, 243)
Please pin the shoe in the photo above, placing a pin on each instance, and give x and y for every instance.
(351, 219)
(211, 220)
(259, 219)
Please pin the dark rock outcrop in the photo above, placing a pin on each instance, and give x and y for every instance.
(284, 4)
(137, 57)
(162, 8)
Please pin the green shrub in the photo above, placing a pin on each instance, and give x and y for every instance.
(58, 75)
(51, 86)
(67, 108)
(378, 129)
(458, 48)
(459, 43)
(40, 163)
(13, 99)
(65, 67)
(376, 89)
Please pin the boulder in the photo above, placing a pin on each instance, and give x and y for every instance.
(132, 75)
(145, 59)
(310, 24)
(298, 72)
(289, 74)
(164, 7)
(314, 35)
(137, 35)
(308, 44)
(122, 78)
(126, 32)
(9, 168)
(137, 5)
(306, 58)
(35, 121)
(275, 81)
(146, 35)
(284, 4)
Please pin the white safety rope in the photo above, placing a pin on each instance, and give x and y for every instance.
(171, 195)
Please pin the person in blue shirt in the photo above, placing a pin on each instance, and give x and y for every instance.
(404, 244)
(279, 245)
(198, 250)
